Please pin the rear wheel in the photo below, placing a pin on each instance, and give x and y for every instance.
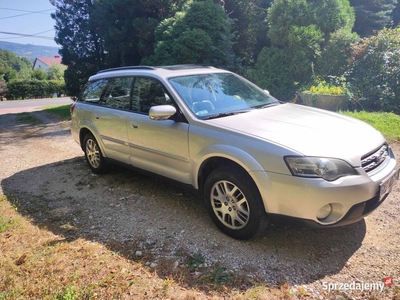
(234, 203)
(93, 155)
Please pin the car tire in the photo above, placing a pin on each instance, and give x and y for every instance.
(93, 155)
(234, 203)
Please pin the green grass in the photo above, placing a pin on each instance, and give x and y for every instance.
(60, 111)
(387, 123)
(29, 119)
(6, 223)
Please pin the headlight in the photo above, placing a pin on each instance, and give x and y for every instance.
(315, 167)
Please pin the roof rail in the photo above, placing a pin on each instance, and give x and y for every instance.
(184, 67)
(127, 68)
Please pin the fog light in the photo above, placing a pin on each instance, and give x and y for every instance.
(324, 212)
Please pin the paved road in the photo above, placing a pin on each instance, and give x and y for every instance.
(18, 106)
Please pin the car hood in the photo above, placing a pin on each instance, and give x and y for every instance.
(308, 131)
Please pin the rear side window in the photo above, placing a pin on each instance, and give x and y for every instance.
(93, 90)
(110, 92)
(117, 93)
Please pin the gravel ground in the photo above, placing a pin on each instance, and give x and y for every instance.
(153, 216)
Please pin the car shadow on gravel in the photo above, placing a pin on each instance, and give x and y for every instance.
(152, 221)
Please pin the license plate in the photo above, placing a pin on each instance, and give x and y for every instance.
(388, 183)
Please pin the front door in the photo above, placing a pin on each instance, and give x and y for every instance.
(157, 146)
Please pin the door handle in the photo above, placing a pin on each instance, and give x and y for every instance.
(134, 125)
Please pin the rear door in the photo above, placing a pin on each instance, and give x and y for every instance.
(109, 114)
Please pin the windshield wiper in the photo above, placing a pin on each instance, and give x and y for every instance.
(267, 105)
(225, 114)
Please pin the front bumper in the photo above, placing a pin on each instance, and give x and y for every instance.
(298, 198)
(355, 214)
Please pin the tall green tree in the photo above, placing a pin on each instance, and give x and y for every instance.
(372, 15)
(9, 59)
(249, 23)
(13, 67)
(81, 46)
(299, 32)
(56, 72)
(127, 27)
(396, 15)
(201, 34)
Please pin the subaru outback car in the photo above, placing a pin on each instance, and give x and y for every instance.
(253, 158)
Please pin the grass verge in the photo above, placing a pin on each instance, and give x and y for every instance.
(60, 111)
(28, 118)
(387, 123)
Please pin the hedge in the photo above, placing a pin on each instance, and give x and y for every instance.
(34, 89)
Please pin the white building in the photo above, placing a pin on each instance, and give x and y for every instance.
(45, 62)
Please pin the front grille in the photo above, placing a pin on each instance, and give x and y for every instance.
(373, 160)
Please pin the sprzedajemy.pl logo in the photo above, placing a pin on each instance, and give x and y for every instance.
(358, 285)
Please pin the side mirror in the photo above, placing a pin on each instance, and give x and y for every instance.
(161, 112)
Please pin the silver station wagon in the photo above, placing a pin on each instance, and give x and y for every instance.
(253, 158)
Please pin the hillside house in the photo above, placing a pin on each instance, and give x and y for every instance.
(45, 62)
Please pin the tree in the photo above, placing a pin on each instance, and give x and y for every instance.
(299, 31)
(327, 16)
(13, 67)
(372, 15)
(8, 74)
(396, 15)
(201, 34)
(248, 21)
(127, 27)
(39, 74)
(56, 72)
(80, 44)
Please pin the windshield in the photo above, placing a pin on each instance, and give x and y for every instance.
(220, 94)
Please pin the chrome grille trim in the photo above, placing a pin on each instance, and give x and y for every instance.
(373, 160)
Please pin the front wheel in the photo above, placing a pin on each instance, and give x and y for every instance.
(234, 203)
(93, 155)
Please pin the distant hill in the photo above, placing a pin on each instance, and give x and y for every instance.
(29, 51)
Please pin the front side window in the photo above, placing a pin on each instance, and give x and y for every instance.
(148, 92)
(219, 94)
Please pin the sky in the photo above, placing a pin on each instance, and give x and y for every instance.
(27, 17)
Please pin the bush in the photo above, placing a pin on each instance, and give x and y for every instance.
(336, 55)
(375, 72)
